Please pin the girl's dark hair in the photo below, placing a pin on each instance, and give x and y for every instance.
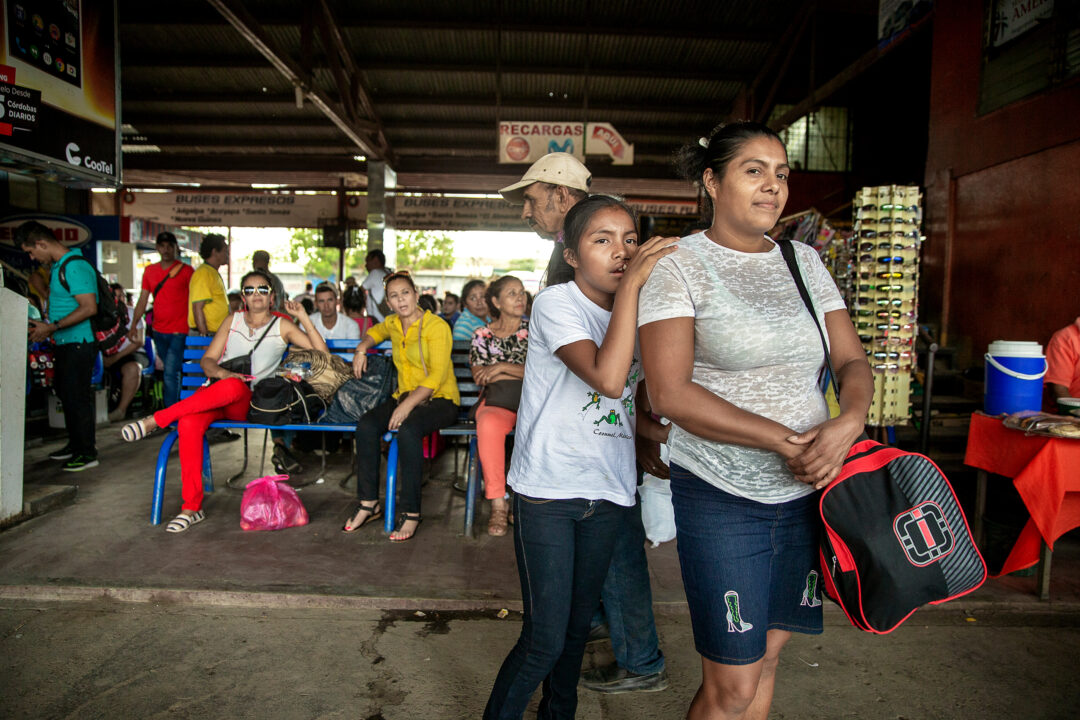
(469, 287)
(716, 152)
(493, 291)
(256, 273)
(426, 302)
(579, 216)
(353, 299)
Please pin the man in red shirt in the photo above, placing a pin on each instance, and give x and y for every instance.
(1063, 362)
(168, 282)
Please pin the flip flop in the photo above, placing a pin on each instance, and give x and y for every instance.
(135, 430)
(182, 522)
(374, 513)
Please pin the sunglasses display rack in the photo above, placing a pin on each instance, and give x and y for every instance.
(884, 252)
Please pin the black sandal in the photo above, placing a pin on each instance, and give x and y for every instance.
(406, 517)
(374, 511)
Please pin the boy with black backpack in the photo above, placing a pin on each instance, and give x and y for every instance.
(81, 321)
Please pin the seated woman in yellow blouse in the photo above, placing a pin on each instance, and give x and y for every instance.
(426, 399)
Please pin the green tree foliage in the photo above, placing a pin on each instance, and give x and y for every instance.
(424, 250)
(322, 262)
(526, 264)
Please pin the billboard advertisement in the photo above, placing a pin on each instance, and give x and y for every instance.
(59, 87)
(526, 141)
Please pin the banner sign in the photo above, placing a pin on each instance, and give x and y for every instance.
(59, 90)
(404, 212)
(1013, 18)
(526, 142)
(239, 209)
(495, 214)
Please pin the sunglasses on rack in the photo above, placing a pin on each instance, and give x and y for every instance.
(881, 288)
(257, 290)
(888, 355)
(890, 207)
(901, 234)
(897, 302)
(887, 367)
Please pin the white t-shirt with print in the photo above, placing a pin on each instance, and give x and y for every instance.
(344, 329)
(755, 345)
(571, 441)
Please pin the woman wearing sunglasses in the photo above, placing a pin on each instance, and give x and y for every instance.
(426, 399)
(256, 332)
(733, 357)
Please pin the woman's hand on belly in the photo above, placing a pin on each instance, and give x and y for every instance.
(823, 450)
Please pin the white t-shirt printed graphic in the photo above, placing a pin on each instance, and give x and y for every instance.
(571, 441)
(755, 345)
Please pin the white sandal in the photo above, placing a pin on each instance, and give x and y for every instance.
(182, 522)
(135, 430)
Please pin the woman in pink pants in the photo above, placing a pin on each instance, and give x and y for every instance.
(498, 353)
(257, 332)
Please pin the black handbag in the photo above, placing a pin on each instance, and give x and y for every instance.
(281, 401)
(242, 363)
(503, 394)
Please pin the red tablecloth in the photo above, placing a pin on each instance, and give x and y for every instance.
(1046, 472)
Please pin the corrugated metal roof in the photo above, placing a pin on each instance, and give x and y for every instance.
(438, 76)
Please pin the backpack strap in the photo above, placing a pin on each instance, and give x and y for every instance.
(788, 252)
(62, 276)
(168, 275)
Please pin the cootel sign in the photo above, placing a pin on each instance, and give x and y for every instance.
(88, 162)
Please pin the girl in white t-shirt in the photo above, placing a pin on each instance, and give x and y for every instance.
(573, 464)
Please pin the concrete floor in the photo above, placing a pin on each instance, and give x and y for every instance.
(103, 615)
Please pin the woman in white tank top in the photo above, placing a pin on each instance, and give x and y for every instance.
(256, 331)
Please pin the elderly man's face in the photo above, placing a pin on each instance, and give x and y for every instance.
(543, 211)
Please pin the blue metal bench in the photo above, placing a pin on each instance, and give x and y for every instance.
(193, 378)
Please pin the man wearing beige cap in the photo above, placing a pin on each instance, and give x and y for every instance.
(547, 190)
(553, 185)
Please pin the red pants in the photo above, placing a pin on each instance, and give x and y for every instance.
(493, 424)
(227, 399)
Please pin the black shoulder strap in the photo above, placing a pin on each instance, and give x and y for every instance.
(62, 276)
(788, 252)
(168, 274)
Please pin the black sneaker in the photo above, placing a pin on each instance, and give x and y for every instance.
(285, 461)
(63, 453)
(220, 435)
(81, 462)
(612, 679)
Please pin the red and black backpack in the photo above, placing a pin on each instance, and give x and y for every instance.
(894, 538)
(894, 535)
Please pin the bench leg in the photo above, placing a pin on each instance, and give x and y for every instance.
(243, 468)
(472, 470)
(390, 503)
(159, 477)
(262, 462)
(207, 470)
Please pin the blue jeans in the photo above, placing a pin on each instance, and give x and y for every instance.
(170, 348)
(627, 597)
(563, 549)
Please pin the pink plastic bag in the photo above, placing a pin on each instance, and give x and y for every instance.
(270, 504)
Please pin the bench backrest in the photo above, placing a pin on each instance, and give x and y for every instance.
(469, 390)
(193, 377)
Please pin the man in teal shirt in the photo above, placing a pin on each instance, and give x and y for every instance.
(70, 310)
